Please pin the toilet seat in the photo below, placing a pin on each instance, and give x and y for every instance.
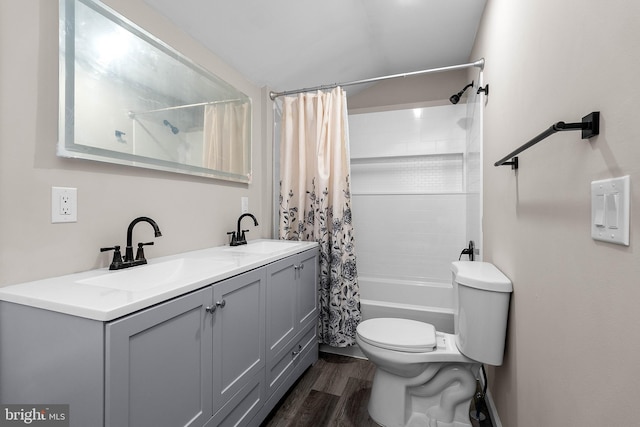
(398, 334)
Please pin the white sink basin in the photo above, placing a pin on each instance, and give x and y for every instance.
(263, 247)
(149, 276)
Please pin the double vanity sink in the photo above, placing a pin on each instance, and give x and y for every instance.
(212, 337)
(106, 295)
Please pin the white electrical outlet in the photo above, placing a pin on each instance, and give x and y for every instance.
(244, 204)
(64, 204)
(65, 208)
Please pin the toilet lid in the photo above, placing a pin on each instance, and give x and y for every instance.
(398, 334)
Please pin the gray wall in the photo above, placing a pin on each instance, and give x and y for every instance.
(435, 87)
(573, 340)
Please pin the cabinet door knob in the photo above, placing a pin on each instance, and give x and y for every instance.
(212, 308)
(295, 353)
(298, 267)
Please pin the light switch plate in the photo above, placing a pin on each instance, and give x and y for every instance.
(610, 208)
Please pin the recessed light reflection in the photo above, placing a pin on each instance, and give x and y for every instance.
(111, 47)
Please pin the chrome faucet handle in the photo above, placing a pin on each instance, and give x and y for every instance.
(140, 252)
(116, 262)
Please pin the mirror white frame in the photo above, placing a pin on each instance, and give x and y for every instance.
(128, 98)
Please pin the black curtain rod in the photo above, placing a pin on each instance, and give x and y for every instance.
(590, 127)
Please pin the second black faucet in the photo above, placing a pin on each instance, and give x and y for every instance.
(238, 237)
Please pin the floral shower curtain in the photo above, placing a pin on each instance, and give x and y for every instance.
(315, 203)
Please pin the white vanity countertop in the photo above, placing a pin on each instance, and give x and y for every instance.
(106, 295)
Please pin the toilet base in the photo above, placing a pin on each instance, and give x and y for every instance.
(438, 397)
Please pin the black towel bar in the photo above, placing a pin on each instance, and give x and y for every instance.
(590, 126)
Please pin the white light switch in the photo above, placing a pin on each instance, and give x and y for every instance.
(599, 210)
(610, 210)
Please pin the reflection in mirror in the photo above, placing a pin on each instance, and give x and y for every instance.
(128, 98)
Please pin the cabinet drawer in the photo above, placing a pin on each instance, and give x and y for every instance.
(284, 363)
(243, 406)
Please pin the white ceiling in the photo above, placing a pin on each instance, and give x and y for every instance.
(292, 44)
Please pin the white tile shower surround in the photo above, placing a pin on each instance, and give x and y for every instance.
(408, 174)
(411, 237)
(409, 199)
(396, 133)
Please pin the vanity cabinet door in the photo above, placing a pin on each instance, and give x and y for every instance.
(158, 365)
(292, 298)
(238, 339)
(281, 304)
(307, 289)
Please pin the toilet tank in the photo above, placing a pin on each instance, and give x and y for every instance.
(482, 295)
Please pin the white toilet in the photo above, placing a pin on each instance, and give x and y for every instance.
(428, 378)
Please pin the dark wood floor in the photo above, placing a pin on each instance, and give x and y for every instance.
(333, 392)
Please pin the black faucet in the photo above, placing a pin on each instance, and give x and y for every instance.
(118, 263)
(238, 237)
(128, 255)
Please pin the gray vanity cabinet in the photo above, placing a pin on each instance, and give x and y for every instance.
(158, 365)
(292, 309)
(222, 355)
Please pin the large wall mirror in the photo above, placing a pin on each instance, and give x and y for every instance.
(128, 98)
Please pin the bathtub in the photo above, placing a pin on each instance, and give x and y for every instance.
(429, 302)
